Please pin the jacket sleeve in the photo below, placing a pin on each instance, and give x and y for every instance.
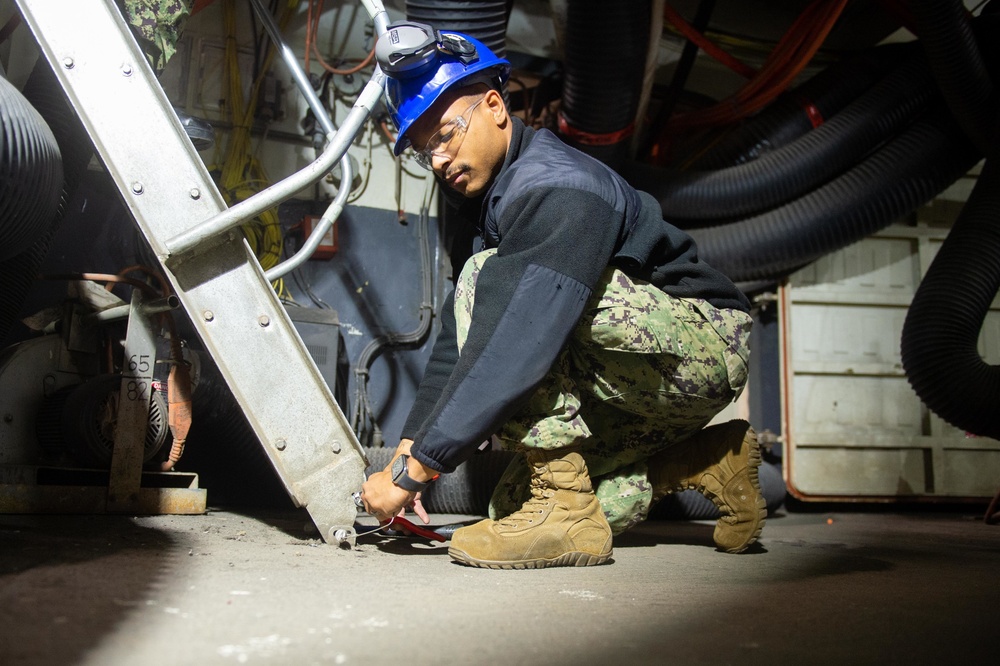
(554, 245)
(442, 361)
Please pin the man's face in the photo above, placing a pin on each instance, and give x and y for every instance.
(464, 138)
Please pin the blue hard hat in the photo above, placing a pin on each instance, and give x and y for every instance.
(422, 63)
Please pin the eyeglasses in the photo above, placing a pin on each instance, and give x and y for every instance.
(443, 139)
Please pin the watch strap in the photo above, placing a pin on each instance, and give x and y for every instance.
(402, 479)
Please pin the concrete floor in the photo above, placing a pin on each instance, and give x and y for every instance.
(231, 588)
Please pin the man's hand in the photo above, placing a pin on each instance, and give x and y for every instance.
(384, 499)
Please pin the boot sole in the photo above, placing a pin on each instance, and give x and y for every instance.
(754, 461)
(574, 559)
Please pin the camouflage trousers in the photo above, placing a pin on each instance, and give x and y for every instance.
(642, 370)
(157, 25)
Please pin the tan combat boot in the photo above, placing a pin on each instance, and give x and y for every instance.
(721, 463)
(561, 525)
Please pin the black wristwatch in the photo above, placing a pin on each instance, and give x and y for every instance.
(402, 479)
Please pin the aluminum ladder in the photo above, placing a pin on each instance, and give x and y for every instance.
(216, 277)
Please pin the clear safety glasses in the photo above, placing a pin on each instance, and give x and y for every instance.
(448, 138)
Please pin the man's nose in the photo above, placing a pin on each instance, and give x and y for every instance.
(439, 162)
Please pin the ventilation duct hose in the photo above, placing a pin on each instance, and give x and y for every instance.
(45, 94)
(901, 175)
(797, 168)
(943, 324)
(946, 35)
(606, 48)
(797, 111)
(31, 173)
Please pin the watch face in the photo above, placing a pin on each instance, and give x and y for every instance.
(398, 467)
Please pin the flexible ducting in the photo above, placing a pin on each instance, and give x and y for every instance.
(942, 327)
(904, 173)
(31, 174)
(797, 111)
(793, 170)
(44, 93)
(605, 57)
(940, 335)
(946, 34)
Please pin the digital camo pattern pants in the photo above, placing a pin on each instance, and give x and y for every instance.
(157, 25)
(641, 371)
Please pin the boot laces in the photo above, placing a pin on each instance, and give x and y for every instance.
(538, 504)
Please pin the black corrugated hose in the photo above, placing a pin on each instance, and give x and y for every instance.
(694, 198)
(606, 48)
(45, 94)
(942, 327)
(904, 173)
(946, 34)
(31, 173)
(792, 114)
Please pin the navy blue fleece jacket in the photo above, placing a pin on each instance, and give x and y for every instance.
(557, 219)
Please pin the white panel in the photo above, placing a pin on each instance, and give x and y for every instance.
(860, 472)
(855, 427)
(856, 406)
(847, 339)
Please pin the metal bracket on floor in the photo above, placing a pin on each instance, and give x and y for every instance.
(71, 490)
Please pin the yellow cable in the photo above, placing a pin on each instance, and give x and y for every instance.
(242, 175)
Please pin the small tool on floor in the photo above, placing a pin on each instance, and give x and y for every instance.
(402, 523)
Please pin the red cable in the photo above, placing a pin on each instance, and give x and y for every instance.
(319, 58)
(784, 53)
(792, 53)
(706, 45)
(309, 18)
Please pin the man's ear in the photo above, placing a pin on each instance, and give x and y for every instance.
(494, 102)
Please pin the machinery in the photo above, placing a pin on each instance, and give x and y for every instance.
(211, 274)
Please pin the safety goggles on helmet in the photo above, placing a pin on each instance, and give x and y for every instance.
(422, 63)
(409, 48)
(447, 138)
